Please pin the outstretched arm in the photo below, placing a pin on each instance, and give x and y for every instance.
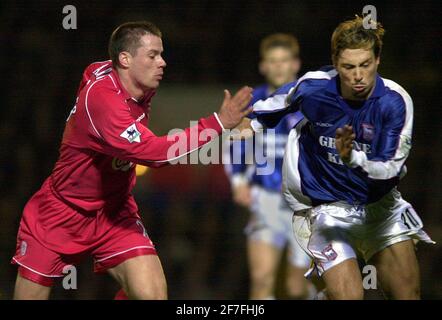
(269, 112)
(116, 133)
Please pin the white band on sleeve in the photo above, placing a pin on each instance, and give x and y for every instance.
(380, 170)
(357, 159)
(219, 121)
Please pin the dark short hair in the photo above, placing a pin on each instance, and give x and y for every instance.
(126, 37)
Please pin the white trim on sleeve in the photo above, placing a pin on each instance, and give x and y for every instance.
(219, 121)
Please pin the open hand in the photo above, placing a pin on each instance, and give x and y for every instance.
(233, 109)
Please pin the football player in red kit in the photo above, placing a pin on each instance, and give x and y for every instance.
(85, 207)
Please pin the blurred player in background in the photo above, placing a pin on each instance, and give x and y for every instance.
(269, 229)
(86, 208)
(343, 163)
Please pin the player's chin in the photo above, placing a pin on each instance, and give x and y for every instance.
(361, 94)
(153, 84)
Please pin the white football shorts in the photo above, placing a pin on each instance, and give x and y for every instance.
(333, 233)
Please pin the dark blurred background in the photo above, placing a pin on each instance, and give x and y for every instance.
(209, 45)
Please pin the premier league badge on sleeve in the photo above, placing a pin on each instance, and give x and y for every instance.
(131, 134)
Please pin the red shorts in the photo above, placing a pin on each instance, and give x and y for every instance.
(52, 235)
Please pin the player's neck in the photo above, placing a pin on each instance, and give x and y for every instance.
(130, 86)
(271, 89)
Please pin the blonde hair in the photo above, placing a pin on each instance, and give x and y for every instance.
(280, 40)
(353, 34)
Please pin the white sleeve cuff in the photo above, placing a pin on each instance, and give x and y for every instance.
(219, 121)
(256, 125)
(357, 159)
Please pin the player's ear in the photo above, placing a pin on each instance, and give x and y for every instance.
(378, 60)
(125, 59)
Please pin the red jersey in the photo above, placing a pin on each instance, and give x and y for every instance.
(106, 134)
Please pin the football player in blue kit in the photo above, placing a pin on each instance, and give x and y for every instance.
(342, 164)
